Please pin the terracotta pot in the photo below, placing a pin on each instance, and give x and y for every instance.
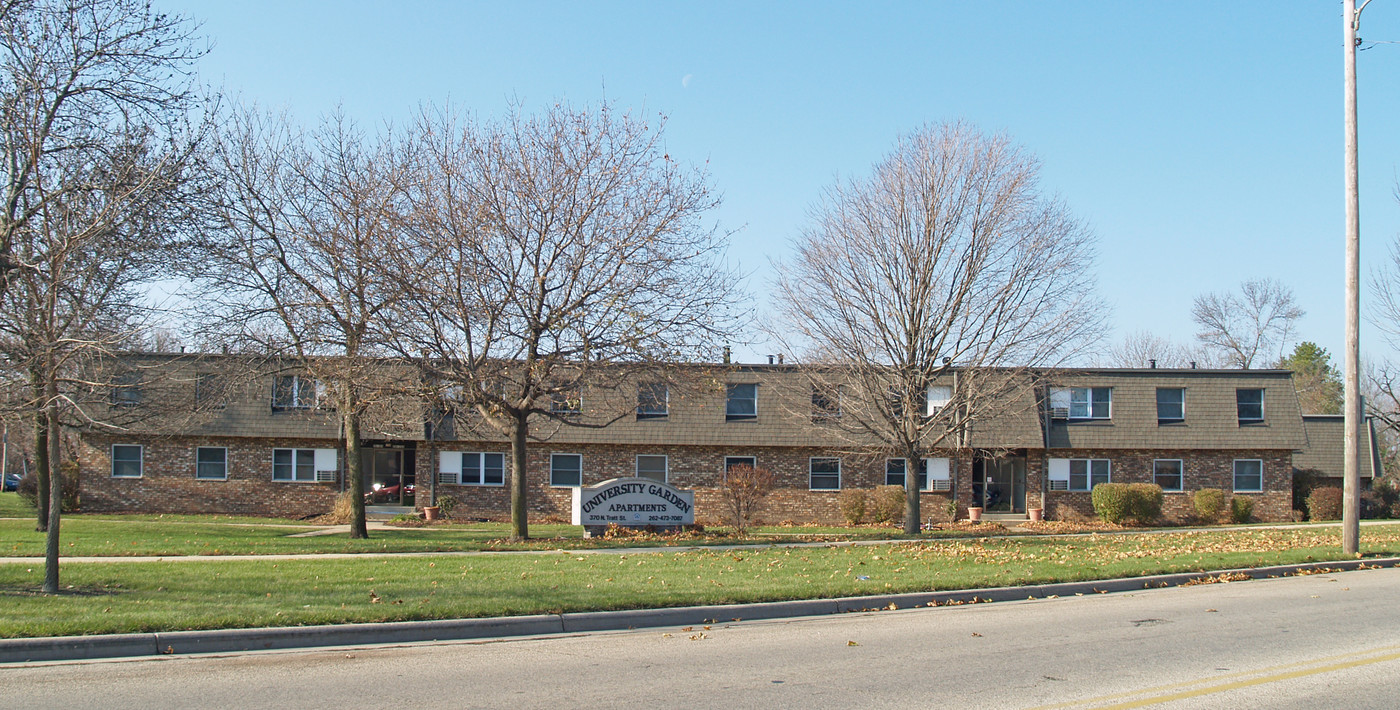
(431, 512)
(974, 514)
(1035, 514)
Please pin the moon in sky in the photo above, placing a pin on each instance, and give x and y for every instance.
(685, 81)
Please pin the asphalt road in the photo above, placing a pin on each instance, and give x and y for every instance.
(1320, 641)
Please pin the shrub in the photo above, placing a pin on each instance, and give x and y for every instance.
(445, 505)
(28, 488)
(1241, 509)
(1209, 504)
(1146, 501)
(950, 509)
(1304, 481)
(852, 502)
(1112, 502)
(1325, 503)
(744, 489)
(887, 504)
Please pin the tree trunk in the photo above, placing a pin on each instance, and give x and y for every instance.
(55, 492)
(519, 519)
(41, 469)
(354, 471)
(912, 464)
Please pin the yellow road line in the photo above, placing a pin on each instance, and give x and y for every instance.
(1252, 678)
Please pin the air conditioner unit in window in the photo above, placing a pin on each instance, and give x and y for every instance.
(447, 477)
(934, 409)
(1059, 485)
(942, 484)
(325, 476)
(1059, 413)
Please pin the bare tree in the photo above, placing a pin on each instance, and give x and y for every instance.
(299, 265)
(1143, 349)
(95, 106)
(560, 249)
(1240, 329)
(931, 287)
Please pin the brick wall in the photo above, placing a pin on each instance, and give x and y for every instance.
(1200, 469)
(168, 484)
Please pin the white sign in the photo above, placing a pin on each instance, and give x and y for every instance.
(633, 502)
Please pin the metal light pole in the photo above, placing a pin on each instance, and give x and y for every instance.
(1351, 472)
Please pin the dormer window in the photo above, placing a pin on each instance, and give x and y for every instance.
(938, 397)
(741, 402)
(1090, 402)
(1249, 405)
(294, 392)
(1171, 405)
(653, 400)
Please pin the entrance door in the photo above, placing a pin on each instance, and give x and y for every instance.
(384, 477)
(999, 485)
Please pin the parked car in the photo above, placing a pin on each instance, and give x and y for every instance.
(388, 493)
(11, 482)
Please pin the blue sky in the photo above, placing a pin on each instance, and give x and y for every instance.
(1202, 141)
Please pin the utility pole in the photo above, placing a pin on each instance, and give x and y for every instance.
(1351, 472)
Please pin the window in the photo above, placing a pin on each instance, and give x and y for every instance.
(825, 473)
(1084, 474)
(1250, 404)
(895, 470)
(1167, 474)
(566, 403)
(1090, 402)
(1249, 476)
(731, 461)
(293, 392)
(483, 469)
(293, 464)
(1171, 404)
(653, 467)
(125, 390)
(126, 460)
(653, 399)
(826, 405)
(211, 463)
(565, 470)
(938, 398)
(209, 390)
(741, 402)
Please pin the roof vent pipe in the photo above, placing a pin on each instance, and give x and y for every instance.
(1193, 364)
(770, 359)
(780, 358)
(726, 354)
(1152, 363)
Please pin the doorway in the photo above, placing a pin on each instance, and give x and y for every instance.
(999, 484)
(388, 475)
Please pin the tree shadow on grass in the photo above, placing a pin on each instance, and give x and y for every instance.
(86, 590)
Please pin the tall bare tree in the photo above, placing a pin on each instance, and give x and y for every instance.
(1143, 349)
(1256, 323)
(300, 264)
(947, 267)
(95, 106)
(557, 244)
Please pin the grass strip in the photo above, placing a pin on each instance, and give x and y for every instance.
(142, 597)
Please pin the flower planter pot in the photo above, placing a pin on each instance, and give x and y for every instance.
(1035, 514)
(432, 512)
(974, 514)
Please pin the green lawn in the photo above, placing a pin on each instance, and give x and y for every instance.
(129, 596)
(12, 506)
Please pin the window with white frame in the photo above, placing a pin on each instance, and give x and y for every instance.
(1249, 476)
(1249, 404)
(651, 466)
(825, 473)
(294, 392)
(741, 401)
(211, 463)
(894, 473)
(472, 468)
(1090, 402)
(127, 460)
(125, 389)
(294, 464)
(653, 400)
(826, 404)
(1171, 405)
(1084, 474)
(565, 470)
(934, 475)
(1168, 474)
(938, 397)
(566, 403)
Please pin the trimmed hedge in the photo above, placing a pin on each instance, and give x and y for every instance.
(1325, 503)
(1209, 503)
(1116, 502)
(1241, 509)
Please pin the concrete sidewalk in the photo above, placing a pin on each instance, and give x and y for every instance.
(78, 648)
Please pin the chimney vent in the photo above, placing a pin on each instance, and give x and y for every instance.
(1193, 364)
(780, 358)
(726, 354)
(770, 359)
(1152, 363)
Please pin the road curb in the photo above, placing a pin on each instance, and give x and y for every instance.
(77, 648)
